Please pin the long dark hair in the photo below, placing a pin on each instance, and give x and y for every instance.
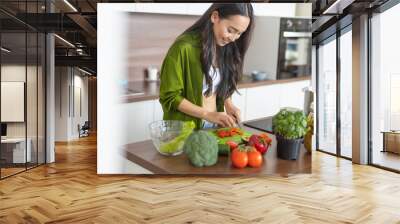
(230, 57)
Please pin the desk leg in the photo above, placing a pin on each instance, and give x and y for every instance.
(384, 143)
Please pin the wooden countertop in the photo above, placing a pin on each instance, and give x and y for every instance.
(150, 89)
(145, 154)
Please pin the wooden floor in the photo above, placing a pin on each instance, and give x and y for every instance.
(10, 171)
(387, 159)
(70, 191)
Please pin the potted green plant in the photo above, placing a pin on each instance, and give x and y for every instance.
(289, 128)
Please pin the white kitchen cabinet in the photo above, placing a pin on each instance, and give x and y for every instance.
(262, 101)
(158, 112)
(293, 94)
(267, 100)
(138, 116)
(240, 102)
(132, 127)
(254, 103)
(167, 8)
(197, 8)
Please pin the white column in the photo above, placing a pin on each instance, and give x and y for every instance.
(50, 99)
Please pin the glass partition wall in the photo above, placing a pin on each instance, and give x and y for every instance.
(346, 95)
(13, 110)
(334, 89)
(385, 90)
(334, 94)
(22, 77)
(327, 95)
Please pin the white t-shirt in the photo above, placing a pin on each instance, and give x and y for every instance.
(216, 77)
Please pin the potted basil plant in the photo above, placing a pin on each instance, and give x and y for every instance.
(290, 127)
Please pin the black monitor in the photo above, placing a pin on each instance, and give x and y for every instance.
(3, 129)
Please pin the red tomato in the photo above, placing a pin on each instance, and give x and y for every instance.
(239, 158)
(228, 132)
(255, 158)
(266, 138)
(253, 139)
(235, 131)
(261, 148)
(232, 145)
(223, 133)
(260, 142)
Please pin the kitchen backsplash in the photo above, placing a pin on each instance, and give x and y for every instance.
(150, 36)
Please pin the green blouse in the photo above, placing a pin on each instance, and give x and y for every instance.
(181, 77)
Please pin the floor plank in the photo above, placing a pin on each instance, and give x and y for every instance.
(387, 159)
(70, 191)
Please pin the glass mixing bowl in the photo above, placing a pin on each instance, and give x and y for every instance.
(165, 136)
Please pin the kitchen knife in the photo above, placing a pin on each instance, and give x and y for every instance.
(239, 123)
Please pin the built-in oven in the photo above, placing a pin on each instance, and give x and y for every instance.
(294, 56)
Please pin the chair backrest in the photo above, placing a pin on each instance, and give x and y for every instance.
(86, 125)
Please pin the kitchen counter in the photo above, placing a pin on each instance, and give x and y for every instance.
(150, 89)
(145, 154)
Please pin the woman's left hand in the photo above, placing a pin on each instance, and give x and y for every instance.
(232, 110)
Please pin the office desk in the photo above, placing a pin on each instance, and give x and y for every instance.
(13, 150)
(391, 141)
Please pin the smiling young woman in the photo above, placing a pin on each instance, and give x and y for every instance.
(203, 66)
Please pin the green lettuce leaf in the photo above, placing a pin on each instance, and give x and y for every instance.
(178, 142)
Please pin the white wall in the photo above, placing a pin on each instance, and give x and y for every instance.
(14, 73)
(33, 127)
(61, 103)
(80, 83)
(67, 81)
(11, 73)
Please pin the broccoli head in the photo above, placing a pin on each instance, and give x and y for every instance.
(201, 148)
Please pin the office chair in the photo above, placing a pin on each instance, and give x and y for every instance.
(84, 130)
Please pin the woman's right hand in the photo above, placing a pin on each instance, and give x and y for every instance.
(220, 118)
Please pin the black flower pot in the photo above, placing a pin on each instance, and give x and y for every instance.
(288, 149)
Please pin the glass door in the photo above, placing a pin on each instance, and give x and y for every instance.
(22, 77)
(326, 96)
(346, 92)
(14, 154)
(385, 90)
